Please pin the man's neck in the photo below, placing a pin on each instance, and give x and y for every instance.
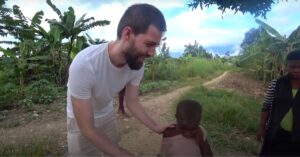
(115, 53)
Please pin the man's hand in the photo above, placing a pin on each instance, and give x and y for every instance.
(162, 127)
(261, 134)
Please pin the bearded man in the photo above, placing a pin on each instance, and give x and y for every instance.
(99, 72)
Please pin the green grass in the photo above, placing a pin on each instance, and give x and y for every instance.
(203, 68)
(34, 146)
(230, 119)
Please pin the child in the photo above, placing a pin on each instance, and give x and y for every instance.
(280, 118)
(188, 137)
(121, 109)
(121, 101)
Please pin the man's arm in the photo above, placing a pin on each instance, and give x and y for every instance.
(84, 115)
(269, 98)
(262, 125)
(138, 111)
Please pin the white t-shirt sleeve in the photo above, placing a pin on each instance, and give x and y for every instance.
(136, 80)
(80, 80)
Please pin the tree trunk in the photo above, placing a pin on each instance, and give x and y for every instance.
(68, 60)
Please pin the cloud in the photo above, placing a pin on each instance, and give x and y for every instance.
(206, 27)
(285, 8)
(283, 16)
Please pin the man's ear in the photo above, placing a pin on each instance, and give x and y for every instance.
(126, 33)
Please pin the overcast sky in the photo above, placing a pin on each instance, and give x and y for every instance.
(209, 27)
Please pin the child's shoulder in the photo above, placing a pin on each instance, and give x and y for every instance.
(170, 132)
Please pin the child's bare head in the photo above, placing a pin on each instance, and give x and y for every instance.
(188, 114)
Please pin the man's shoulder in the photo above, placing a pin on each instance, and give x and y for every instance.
(94, 49)
(91, 53)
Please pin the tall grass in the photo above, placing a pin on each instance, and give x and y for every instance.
(203, 67)
(170, 72)
(176, 69)
(231, 120)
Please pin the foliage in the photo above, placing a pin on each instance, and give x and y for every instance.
(254, 7)
(196, 50)
(34, 146)
(202, 67)
(37, 54)
(151, 86)
(252, 36)
(264, 51)
(70, 30)
(40, 92)
(164, 50)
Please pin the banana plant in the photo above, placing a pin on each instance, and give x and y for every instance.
(279, 47)
(70, 28)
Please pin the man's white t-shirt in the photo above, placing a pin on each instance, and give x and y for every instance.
(92, 75)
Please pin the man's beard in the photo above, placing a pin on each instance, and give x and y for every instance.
(131, 56)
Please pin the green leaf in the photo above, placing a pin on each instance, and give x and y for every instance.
(271, 31)
(79, 21)
(36, 58)
(96, 23)
(37, 18)
(54, 9)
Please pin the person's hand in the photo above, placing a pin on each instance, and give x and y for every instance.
(261, 134)
(162, 127)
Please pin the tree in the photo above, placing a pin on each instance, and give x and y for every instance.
(26, 51)
(266, 56)
(254, 7)
(196, 50)
(95, 41)
(280, 46)
(164, 51)
(252, 36)
(70, 29)
(5, 18)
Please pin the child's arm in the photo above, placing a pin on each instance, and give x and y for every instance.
(203, 143)
(205, 149)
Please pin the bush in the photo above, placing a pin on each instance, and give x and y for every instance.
(202, 67)
(8, 94)
(168, 71)
(40, 92)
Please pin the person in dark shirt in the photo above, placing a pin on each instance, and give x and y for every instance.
(279, 128)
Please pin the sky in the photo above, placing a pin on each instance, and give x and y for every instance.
(216, 32)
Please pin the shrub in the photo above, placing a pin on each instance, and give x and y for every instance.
(40, 92)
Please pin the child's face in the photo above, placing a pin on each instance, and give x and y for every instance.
(294, 69)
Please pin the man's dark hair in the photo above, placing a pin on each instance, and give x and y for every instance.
(188, 113)
(139, 17)
(294, 55)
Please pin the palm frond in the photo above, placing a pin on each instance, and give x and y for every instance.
(37, 18)
(96, 23)
(271, 31)
(55, 9)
